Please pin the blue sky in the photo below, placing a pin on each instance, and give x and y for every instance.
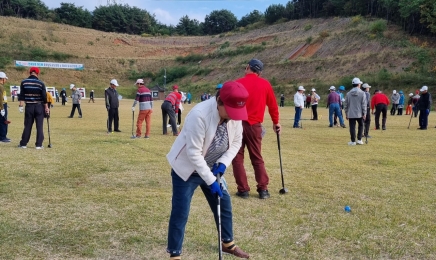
(169, 12)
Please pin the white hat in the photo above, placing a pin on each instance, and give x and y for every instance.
(356, 81)
(366, 85)
(332, 88)
(92, 90)
(313, 90)
(395, 92)
(410, 94)
(301, 88)
(114, 82)
(424, 88)
(140, 81)
(72, 86)
(3, 75)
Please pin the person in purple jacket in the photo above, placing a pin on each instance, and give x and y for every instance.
(333, 103)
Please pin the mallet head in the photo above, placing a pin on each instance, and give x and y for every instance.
(283, 191)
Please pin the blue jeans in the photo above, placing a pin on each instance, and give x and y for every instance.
(181, 202)
(297, 116)
(3, 125)
(334, 108)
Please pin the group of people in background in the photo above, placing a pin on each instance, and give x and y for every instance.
(358, 106)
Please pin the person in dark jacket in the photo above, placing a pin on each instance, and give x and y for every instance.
(33, 94)
(64, 96)
(112, 104)
(91, 96)
(424, 104)
(282, 100)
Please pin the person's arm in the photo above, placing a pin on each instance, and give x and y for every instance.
(273, 108)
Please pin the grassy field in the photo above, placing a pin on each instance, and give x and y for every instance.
(99, 196)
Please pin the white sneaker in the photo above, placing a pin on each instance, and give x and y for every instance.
(359, 142)
(22, 146)
(168, 125)
(351, 143)
(39, 147)
(178, 125)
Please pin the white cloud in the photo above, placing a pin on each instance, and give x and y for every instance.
(165, 17)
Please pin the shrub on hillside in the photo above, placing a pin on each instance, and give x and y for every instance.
(190, 58)
(378, 27)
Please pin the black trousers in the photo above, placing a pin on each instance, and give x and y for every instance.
(352, 122)
(63, 101)
(394, 109)
(380, 108)
(168, 111)
(367, 121)
(33, 113)
(315, 112)
(74, 110)
(113, 117)
(423, 118)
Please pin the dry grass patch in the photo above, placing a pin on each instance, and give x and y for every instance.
(99, 196)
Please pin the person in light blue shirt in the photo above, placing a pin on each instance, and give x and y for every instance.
(400, 104)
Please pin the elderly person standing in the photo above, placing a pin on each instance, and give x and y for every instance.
(76, 96)
(395, 99)
(209, 141)
(334, 103)
(143, 96)
(261, 95)
(424, 104)
(299, 105)
(355, 110)
(314, 103)
(33, 94)
(112, 104)
(4, 110)
(367, 121)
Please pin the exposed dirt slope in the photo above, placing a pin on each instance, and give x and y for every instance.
(293, 54)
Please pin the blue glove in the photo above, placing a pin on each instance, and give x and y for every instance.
(427, 111)
(216, 189)
(218, 168)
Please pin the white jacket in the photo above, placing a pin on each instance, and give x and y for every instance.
(188, 151)
(298, 100)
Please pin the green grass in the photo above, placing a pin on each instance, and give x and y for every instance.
(99, 196)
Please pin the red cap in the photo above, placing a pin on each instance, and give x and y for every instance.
(234, 95)
(417, 91)
(175, 87)
(34, 69)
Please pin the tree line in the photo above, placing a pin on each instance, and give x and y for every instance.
(415, 16)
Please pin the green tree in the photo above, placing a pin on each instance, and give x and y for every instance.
(428, 14)
(219, 22)
(253, 17)
(274, 13)
(123, 19)
(187, 26)
(70, 14)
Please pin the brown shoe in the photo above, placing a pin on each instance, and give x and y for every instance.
(236, 252)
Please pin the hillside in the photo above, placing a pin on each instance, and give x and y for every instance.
(318, 53)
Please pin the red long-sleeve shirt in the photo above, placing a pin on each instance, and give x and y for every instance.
(261, 94)
(379, 98)
(174, 98)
